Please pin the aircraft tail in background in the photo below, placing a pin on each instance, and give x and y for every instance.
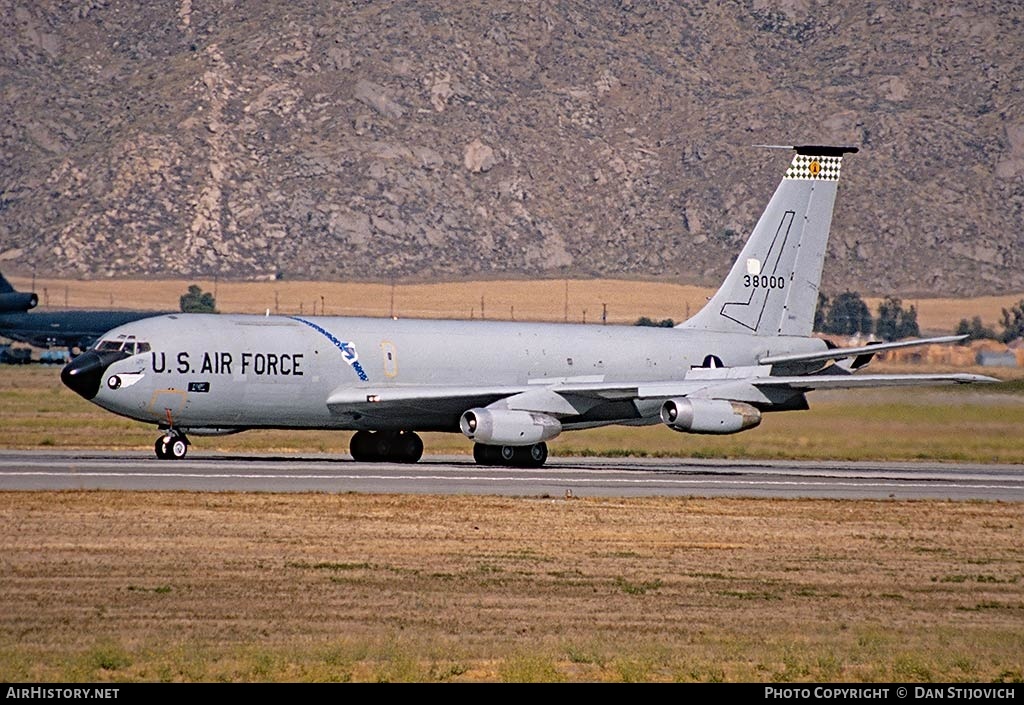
(13, 301)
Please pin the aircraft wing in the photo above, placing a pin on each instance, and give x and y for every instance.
(752, 386)
(556, 399)
(345, 398)
(528, 397)
(568, 399)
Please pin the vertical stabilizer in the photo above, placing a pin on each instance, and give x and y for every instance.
(772, 288)
(13, 301)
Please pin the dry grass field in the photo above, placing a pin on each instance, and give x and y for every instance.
(178, 586)
(108, 586)
(547, 300)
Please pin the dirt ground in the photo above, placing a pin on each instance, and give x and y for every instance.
(106, 586)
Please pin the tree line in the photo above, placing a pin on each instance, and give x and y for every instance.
(847, 314)
(1012, 321)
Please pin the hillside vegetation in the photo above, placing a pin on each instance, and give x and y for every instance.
(428, 140)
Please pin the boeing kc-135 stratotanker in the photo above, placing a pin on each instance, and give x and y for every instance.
(509, 387)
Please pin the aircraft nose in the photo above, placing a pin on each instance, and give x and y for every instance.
(83, 374)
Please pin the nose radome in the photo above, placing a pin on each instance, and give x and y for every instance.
(83, 374)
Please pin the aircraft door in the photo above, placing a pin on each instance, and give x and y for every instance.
(168, 403)
(390, 355)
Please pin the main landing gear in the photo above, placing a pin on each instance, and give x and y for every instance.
(386, 447)
(173, 445)
(532, 456)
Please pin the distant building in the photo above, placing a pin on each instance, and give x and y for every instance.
(1017, 347)
(991, 358)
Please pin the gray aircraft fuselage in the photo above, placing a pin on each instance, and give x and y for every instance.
(230, 372)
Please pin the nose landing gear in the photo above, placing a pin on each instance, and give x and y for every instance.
(173, 445)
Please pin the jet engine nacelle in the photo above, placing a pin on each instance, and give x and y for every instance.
(709, 415)
(508, 427)
(17, 301)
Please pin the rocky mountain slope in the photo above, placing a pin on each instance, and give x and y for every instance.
(430, 139)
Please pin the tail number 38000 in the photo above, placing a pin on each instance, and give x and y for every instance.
(763, 281)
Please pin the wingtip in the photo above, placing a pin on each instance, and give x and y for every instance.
(976, 379)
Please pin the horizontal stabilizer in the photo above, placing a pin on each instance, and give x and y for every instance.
(840, 353)
(811, 149)
(848, 381)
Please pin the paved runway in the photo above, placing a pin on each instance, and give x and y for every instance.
(603, 477)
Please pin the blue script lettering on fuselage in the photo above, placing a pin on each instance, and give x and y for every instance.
(348, 350)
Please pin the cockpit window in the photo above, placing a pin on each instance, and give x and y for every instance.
(124, 343)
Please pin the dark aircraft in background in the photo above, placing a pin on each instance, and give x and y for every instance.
(12, 301)
(75, 330)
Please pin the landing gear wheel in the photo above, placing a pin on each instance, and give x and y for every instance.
(178, 447)
(171, 446)
(484, 455)
(360, 447)
(531, 456)
(487, 455)
(382, 444)
(408, 448)
(386, 446)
